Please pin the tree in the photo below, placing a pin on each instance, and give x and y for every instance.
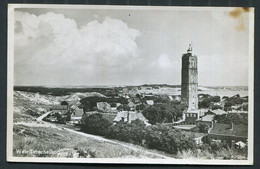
(64, 103)
(215, 99)
(128, 132)
(228, 104)
(215, 107)
(245, 107)
(95, 124)
(204, 103)
(113, 104)
(140, 107)
(85, 105)
(138, 95)
(241, 118)
(164, 113)
(153, 114)
(167, 139)
(124, 107)
(203, 128)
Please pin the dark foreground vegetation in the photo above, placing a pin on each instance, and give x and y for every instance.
(160, 137)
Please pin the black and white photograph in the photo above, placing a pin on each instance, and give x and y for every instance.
(130, 84)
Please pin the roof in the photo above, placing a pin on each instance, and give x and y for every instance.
(208, 118)
(132, 116)
(150, 102)
(225, 129)
(74, 107)
(59, 107)
(198, 135)
(109, 116)
(77, 113)
(218, 112)
(203, 110)
(240, 143)
(86, 114)
(193, 111)
(103, 106)
(185, 127)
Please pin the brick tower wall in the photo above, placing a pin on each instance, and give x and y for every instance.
(189, 86)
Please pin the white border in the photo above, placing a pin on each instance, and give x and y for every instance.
(10, 81)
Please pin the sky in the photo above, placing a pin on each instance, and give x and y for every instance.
(129, 46)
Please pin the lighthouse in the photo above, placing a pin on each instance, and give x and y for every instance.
(189, 81)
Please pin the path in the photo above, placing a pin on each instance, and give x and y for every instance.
(43, 116)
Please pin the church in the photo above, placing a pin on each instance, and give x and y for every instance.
(189, 86)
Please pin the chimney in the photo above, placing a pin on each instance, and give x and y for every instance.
(232, 126)
(212, 123)
(128, 120)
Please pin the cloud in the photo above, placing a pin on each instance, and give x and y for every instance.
(164, 62)
(50, 45)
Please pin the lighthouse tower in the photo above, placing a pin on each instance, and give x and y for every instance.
(189, 82)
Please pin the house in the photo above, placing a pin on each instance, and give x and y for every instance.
(136, 100)
(103, 106)
(149, 102)
(131, 105)
(62, 109)
(228, 132)
(206, 120)
(129, 116)
(198, 138)
(170, 97)
(218, 112)
(177, 98)
(76, 116)
(191, 117)
(148, 96)
(203, 112)
(126, 96)
(236, 107)
(245, 99)
(74, 107)
(51, 119)
(240, 144)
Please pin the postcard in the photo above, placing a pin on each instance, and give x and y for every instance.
(130, 84)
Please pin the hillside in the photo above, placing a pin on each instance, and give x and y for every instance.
(54, 140)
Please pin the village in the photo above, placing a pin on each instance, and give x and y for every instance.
(211, 119)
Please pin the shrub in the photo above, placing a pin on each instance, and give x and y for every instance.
(128, 132)
(167, 139)
(203, 128)
(95, 124)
